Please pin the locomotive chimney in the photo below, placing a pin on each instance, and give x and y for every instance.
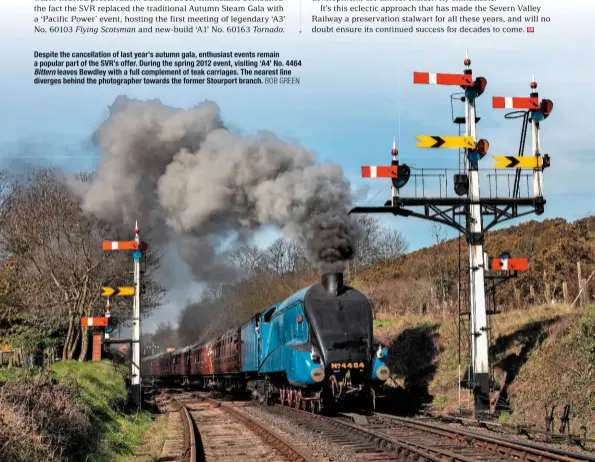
(333, 282)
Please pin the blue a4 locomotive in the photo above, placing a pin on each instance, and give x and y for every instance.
(313, 350)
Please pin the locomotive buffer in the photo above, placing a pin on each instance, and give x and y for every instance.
(469, 203)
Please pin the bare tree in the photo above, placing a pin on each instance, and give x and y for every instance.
(61, 264)
(390, 245)
(378, 244)
(440, 264)
(284, 257)
(213, 290)
(367, 246)
(165, 336)
(248, 258)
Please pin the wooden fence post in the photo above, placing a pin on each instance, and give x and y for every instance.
(565, 292)
(580, 282)
(584, 293)
(546, 288)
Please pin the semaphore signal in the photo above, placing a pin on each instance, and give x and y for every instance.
(468, 203)
(520, 162)
(432, 141)
(137, 247)
(118, 291)
(513, 102)
(380, 171)
(94, 321)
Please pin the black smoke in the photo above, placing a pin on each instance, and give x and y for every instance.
(196, 183)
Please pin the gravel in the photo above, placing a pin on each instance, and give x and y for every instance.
(292, 431)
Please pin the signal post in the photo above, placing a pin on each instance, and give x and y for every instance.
(473, 207)
(137, 247)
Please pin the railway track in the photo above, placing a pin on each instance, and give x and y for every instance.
(472, 444)
(528, 431)
(384, 437)
(217, 431)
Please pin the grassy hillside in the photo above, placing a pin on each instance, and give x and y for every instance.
(103, 390)
(427, 280)
(543, 354)
(543, 350)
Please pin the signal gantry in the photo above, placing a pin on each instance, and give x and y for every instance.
(467, 201)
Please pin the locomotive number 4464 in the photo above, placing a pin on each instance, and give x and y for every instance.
(347, 366)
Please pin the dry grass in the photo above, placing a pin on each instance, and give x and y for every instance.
(561, 371)
(41, 420)
(541, 354)
(154, 439)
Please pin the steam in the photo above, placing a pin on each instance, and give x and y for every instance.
(195, 182)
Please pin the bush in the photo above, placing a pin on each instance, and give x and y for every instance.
(41, 420)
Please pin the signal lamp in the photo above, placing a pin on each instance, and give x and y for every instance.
(482, 147)
(546, 107)
(476, 89)
(461, 181)
(480, 85)
(403, 175)
(504, 255)
(109, 329)
(474, 158)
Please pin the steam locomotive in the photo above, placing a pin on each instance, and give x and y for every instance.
(313, 350)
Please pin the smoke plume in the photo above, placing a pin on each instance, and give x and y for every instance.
(192, 180)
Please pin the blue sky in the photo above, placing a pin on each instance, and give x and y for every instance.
(356, 94)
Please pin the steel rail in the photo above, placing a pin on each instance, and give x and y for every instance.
(402, 448)
(190, 430)
(510, 429)
(520, 450)
(278, 442)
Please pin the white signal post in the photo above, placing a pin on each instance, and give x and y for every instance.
(538, 111)
(135, 245)
(477, 308)
(107, 315)
(536, 147)
(395, 191)
(136, 386)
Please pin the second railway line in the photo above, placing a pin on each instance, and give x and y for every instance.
(247, 431)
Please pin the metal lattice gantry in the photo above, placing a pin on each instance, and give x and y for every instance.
(480, 213)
